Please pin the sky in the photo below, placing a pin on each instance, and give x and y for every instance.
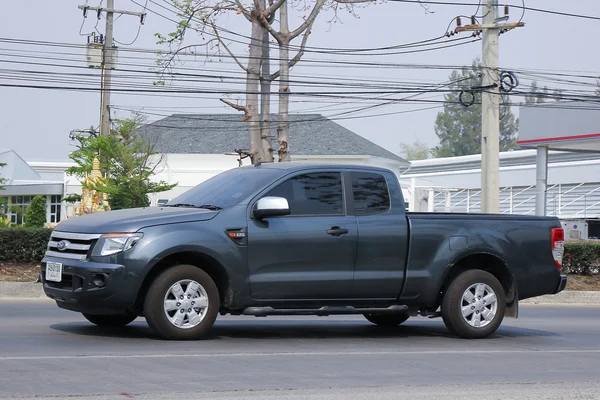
(36, 122)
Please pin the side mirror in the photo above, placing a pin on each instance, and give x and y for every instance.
(271, 207)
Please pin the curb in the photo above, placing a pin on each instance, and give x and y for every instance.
(21, 290)
(567, 297)
(34, 291)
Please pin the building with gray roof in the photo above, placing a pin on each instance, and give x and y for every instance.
(310, 135)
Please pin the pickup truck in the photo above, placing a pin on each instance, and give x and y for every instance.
(300, 239)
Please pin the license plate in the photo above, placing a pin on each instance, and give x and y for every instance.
(54, 271)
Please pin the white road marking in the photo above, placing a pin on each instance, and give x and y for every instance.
(298, 354)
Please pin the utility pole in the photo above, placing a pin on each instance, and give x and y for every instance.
(107, 70)
(490, 102)
(490, 114)
(108, 62)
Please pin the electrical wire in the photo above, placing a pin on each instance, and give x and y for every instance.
(540, 10)
(311, 49)
(329, 63)
(138, 31)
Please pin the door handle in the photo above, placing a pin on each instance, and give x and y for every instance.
(337, 231)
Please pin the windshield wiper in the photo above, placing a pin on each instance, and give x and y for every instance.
(179, 205)
(206, 206)
(210, 207)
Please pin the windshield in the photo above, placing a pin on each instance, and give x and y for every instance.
(225, 189)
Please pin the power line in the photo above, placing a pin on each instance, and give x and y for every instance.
(540, 10)
(307, 49)
(137, 34)
(549, 72)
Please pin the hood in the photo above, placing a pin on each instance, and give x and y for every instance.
(133, 219)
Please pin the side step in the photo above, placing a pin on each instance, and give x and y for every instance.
(323, 311)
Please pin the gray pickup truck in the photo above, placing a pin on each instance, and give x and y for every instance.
(300, 239)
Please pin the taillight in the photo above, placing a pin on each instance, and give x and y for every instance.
(558, 246)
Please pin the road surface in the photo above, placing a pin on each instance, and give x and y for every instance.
(548, 353)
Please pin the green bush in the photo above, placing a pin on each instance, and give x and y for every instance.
(21, 244)
(35, 215)
(581, 258)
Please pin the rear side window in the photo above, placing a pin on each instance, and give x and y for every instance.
(313, 194)
(371, 194)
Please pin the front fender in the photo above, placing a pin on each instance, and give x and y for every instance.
(160, 242)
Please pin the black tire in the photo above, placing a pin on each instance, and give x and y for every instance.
(387, 320)
(453, 302)
(155, 299)
(110, 320)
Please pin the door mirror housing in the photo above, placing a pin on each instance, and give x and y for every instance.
(271, 206)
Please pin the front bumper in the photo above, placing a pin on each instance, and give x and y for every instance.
(77, 292)
(562, 284)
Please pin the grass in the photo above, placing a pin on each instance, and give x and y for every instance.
(26, 272)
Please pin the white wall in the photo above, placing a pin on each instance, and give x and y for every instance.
(522, 175)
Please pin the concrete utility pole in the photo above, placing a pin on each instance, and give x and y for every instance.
(490, 104)
(490, 114)
(107, 70)
(108, 63)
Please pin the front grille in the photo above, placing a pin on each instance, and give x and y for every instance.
(66, 283)
(74, 245)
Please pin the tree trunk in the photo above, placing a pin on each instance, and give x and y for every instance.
(284, 87)
(265, 97)
(252, 88)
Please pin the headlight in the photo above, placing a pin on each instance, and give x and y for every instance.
(113, 243)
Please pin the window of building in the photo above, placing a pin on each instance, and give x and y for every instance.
(313, 194)
(371, 194)
(3, 205)
(16, 210)
(55, 208)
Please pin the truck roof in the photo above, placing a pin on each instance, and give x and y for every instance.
(299, 165)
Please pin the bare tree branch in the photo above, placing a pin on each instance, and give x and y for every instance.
(227, 48)
(309, 21)
(274, 6)
(265, 23)
(176, 53)
(243, 10)
(237, 107)
(298, 55)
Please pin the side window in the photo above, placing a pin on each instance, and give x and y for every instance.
(318, 193)
(371, 194)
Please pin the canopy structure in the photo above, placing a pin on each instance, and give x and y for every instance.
(21, 179)
(562, 126)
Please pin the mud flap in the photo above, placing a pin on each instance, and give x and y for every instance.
(512, 309)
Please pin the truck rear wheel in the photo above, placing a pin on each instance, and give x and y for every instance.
(182, 303)
(387, 320)
(473, 305)
(110, 320)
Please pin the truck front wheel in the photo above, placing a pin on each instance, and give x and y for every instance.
(182, 303)
(473, 305)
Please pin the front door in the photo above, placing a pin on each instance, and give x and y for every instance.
(310, 253)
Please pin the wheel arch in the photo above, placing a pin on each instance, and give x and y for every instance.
(198, 259)
(485, 261)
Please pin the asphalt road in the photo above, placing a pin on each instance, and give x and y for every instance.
(548, 353)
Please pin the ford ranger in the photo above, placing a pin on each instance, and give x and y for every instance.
(300, 239)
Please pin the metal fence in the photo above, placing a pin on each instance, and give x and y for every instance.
(563, 200)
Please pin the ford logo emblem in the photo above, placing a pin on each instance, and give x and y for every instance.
(62, 245)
